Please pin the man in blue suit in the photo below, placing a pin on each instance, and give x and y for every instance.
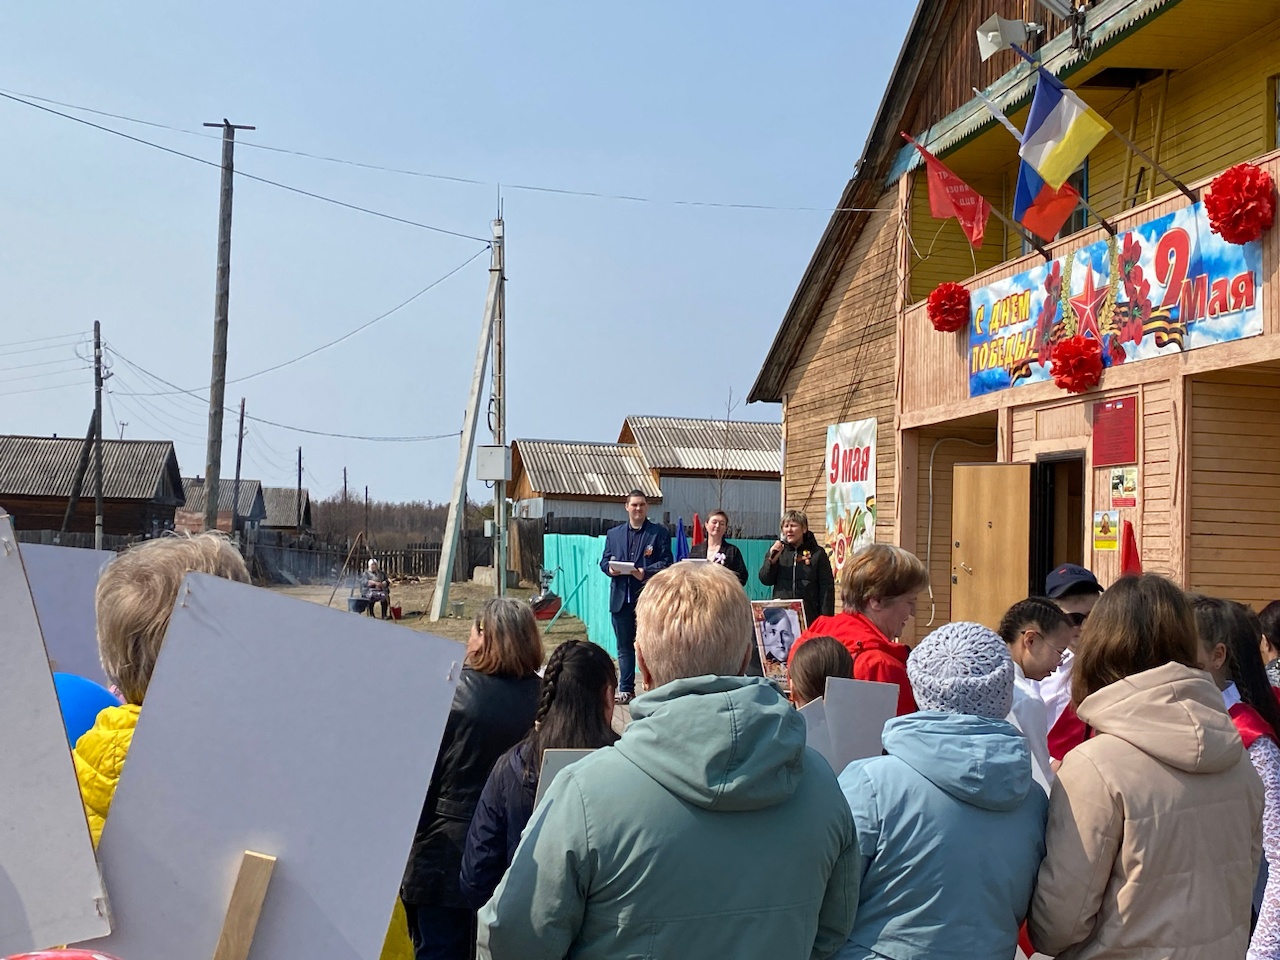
(648, 546)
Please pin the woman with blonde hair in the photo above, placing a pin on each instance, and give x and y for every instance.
(878, 590)
(1155, 823)
(493, 708)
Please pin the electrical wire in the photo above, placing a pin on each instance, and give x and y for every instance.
(448, 178)
(23, 343)
(346, 336)
(286, 426)
(56, 386)
(246, 176)
(43, 363)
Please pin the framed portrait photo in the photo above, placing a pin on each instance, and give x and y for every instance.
(777, 624)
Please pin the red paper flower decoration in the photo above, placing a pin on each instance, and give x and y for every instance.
(1241, 203)
(949, 307)
(1076, 363)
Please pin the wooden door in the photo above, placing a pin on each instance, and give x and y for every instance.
(991, 539)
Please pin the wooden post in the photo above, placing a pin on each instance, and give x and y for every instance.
(97, 431)
(245, 907)
(221, 299)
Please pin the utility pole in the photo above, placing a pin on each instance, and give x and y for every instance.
(366, 517)
(454, 518)
(222, 296)
(97, 430)
(499, 394)
(299, 503)
(346, 525)
(82, 467)
(235, 488)
(123, 424)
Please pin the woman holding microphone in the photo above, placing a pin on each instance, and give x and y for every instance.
(797, 568)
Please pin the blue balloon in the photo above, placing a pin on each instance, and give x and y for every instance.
(81, 701)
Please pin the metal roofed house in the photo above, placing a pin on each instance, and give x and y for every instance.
(683, 465)
(141, 484)
(250, 509)
(282, 508)
(704, 465)
(572, 478)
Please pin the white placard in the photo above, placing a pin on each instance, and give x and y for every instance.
(290, 729)
(63, 581)
(857, 711)
(50, 889)
(553, 761)
(817, 735)
(621, 567)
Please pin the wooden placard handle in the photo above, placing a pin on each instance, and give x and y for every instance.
(245, 906)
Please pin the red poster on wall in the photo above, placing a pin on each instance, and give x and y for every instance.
(1115, 432)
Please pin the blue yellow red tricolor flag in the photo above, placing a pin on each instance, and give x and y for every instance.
(949, 196)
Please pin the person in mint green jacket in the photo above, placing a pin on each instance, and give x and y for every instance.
(950, 824)
(708, 830)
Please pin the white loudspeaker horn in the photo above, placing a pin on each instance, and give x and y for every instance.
(997, 33)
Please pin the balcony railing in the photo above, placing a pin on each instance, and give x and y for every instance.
(935, 366)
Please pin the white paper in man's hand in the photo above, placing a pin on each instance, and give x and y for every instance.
(621, 567)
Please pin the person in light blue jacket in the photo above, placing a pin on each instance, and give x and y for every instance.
(950, 824)
(709, 830)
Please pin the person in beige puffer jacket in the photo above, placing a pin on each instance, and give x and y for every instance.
(1155, 822)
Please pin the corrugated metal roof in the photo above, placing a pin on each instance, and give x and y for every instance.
(571, 468)
(1105, 23)
(131, 469)
(250, 507)
(282, 506)
(680, 443)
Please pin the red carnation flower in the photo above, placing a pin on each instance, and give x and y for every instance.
(948, 307)
(1241, 203)
(1076, 363)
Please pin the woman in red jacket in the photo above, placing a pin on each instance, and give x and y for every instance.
(878, 590)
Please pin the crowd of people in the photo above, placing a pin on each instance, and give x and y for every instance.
(1096, 777)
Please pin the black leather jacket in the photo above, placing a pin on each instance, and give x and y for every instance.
(803, 573)
(490, 715)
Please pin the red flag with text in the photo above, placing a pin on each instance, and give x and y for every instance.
(949, 196)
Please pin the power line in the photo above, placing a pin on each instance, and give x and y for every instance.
(241, 173)
(448, 178)
(56, 386)
(65, 336)
(346, 336)
(286, 426)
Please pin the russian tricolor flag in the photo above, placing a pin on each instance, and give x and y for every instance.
(1040, 208)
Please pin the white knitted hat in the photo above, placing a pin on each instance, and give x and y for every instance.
(962, 668)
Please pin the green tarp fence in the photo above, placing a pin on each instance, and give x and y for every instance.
(584, 588)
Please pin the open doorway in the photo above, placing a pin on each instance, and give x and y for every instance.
(1057, 515)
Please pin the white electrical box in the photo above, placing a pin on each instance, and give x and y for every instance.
(488, 529)
(493, 463)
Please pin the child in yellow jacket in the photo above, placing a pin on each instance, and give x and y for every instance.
(134, 600)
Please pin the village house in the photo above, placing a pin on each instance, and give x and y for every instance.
(683, 465)
(985, 466)
(250, 508)
(141, 485)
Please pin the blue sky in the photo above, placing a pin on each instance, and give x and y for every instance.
(613, 307)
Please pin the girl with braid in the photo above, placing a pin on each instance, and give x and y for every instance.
(574, 712)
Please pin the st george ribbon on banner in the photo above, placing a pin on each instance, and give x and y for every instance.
(949, 196)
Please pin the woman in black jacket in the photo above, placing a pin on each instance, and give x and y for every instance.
(493, 708)
(798, 568)
(575, 713)
(719, 550)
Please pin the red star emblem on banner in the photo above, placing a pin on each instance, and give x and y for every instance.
(1086, 305)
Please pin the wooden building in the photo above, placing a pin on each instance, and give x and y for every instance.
(140, 479)
(282, 512)
(1188, 415)
(684, 465)
(250, 508)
